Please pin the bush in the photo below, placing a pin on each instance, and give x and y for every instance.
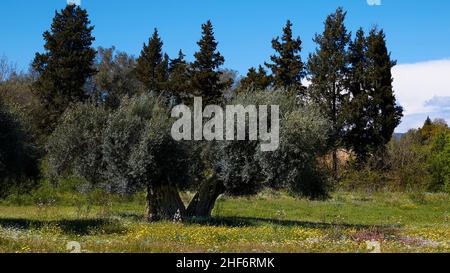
(418, 162)
(407, 161)
(18, 156)
(440, 163)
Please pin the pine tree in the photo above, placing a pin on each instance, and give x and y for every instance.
(384, 111)
(66, 64)
(179, 77)
(256, 80)
(152, 64)
(328, 69)
(206, 74)
(287, 66)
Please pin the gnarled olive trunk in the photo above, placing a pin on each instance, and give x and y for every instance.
(163, 202)
(203, 202)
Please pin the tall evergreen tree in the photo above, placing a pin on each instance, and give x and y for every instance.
(358, 136)
(67, 62)
(256, 79)
(384, 111)
(151, 68)
(287, 66)
(206, 74)
(179, 77)
(372, 111)
(328, 69)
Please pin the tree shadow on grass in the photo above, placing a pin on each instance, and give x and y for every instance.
(236, 221)
(107, 226)
(252, 221)
(73, 227)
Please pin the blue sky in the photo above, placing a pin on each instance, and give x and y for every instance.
(418, 32)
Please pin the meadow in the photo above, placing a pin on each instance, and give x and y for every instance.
(269, 222)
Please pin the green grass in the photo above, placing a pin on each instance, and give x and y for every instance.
(270, 222)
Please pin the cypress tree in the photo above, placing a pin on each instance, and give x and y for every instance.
(206, 74)
(384, 111)
(359, 134)
(151, 68)
(256, 79)
(328, 69)
(372, 112)
(287, 66)
(66, 64)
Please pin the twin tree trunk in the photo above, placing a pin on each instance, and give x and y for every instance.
(164, 201)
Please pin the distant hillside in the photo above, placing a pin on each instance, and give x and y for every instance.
(398, 136)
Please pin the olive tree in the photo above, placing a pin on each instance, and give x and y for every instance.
(294, 166)
(75, 146)
(132, 149)
(241, 168)
(140, 153)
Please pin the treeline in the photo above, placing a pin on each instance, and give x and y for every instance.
(419, 162)
(103, 116)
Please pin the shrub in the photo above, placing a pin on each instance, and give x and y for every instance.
(18, 156)
(440, 163)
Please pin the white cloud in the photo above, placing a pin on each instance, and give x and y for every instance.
(439, 103)
(423, 89)
(374, 2)
(74, 2)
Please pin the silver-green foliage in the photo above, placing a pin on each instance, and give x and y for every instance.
(138, 148)
(75, 146)
(244, 169)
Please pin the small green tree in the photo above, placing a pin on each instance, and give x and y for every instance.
(440, 162)
(179, 78)
(66, 64)
(16, 95)
(407, 162)
(152, 64)
(115, 78)
(287, 67)
(256, 80)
